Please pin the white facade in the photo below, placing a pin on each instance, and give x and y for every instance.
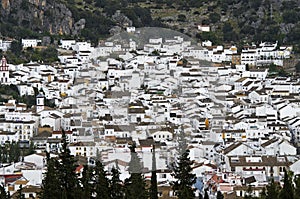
(5, 45)
(30, 42)
(67, 44)
(204, 28)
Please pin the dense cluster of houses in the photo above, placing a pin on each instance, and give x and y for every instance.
(241, 125)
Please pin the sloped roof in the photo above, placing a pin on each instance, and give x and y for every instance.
(232, 147)
(269, 142)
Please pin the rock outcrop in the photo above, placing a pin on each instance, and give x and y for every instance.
(40, 16)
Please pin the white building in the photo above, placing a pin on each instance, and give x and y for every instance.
(5, 45)
(30, 42)
(204, 28)
(4, 71)
(67, 44)
(130, 29)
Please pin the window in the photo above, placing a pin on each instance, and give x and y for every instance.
(280, 169)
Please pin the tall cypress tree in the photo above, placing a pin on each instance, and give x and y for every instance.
(51, 185)
(66, 170)
(297, 187)
(153, 187)
(287, 191)
(85, 181)
(116, 189)
(101, 185)
(182, 171)
(273, 190)
(135, 184)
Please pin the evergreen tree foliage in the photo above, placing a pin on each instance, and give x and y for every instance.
(297, 66)
(182, 144)
(85, 183)
(287, 191)
(220, 195)
(153, 187)
(249, 193)
(51, 187)
(116, 189)
(14, 152)
(3, 193)
(263, 194)
(66, 170)
(31, 149)
(20, 194)
(10, 152)
(61, 180)
(273, 190)
(297, 187)
(135, 186)
(182, 171)
(206, 195)
(101, 184)
(200, 196)
(134, 164)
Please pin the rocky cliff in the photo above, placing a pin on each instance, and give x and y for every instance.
(40, 16)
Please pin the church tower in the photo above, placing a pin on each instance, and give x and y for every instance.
(40, 102)
(4, 72)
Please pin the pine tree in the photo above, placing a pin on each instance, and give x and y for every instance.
(66, 170)
(272, 190)
(153, 187)
(116, 189)
(3, 193)
(31, 149)
(13, 151)
(287, 191)
(182, 171)
(51, 187)
(135, 184)
(4, 154)
(101, 185)
(85, 181)
(297, 186)
(17, 152)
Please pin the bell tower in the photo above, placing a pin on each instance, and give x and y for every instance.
(4, 72)
(40, 103)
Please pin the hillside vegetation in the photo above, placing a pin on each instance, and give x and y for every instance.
(238, 21)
